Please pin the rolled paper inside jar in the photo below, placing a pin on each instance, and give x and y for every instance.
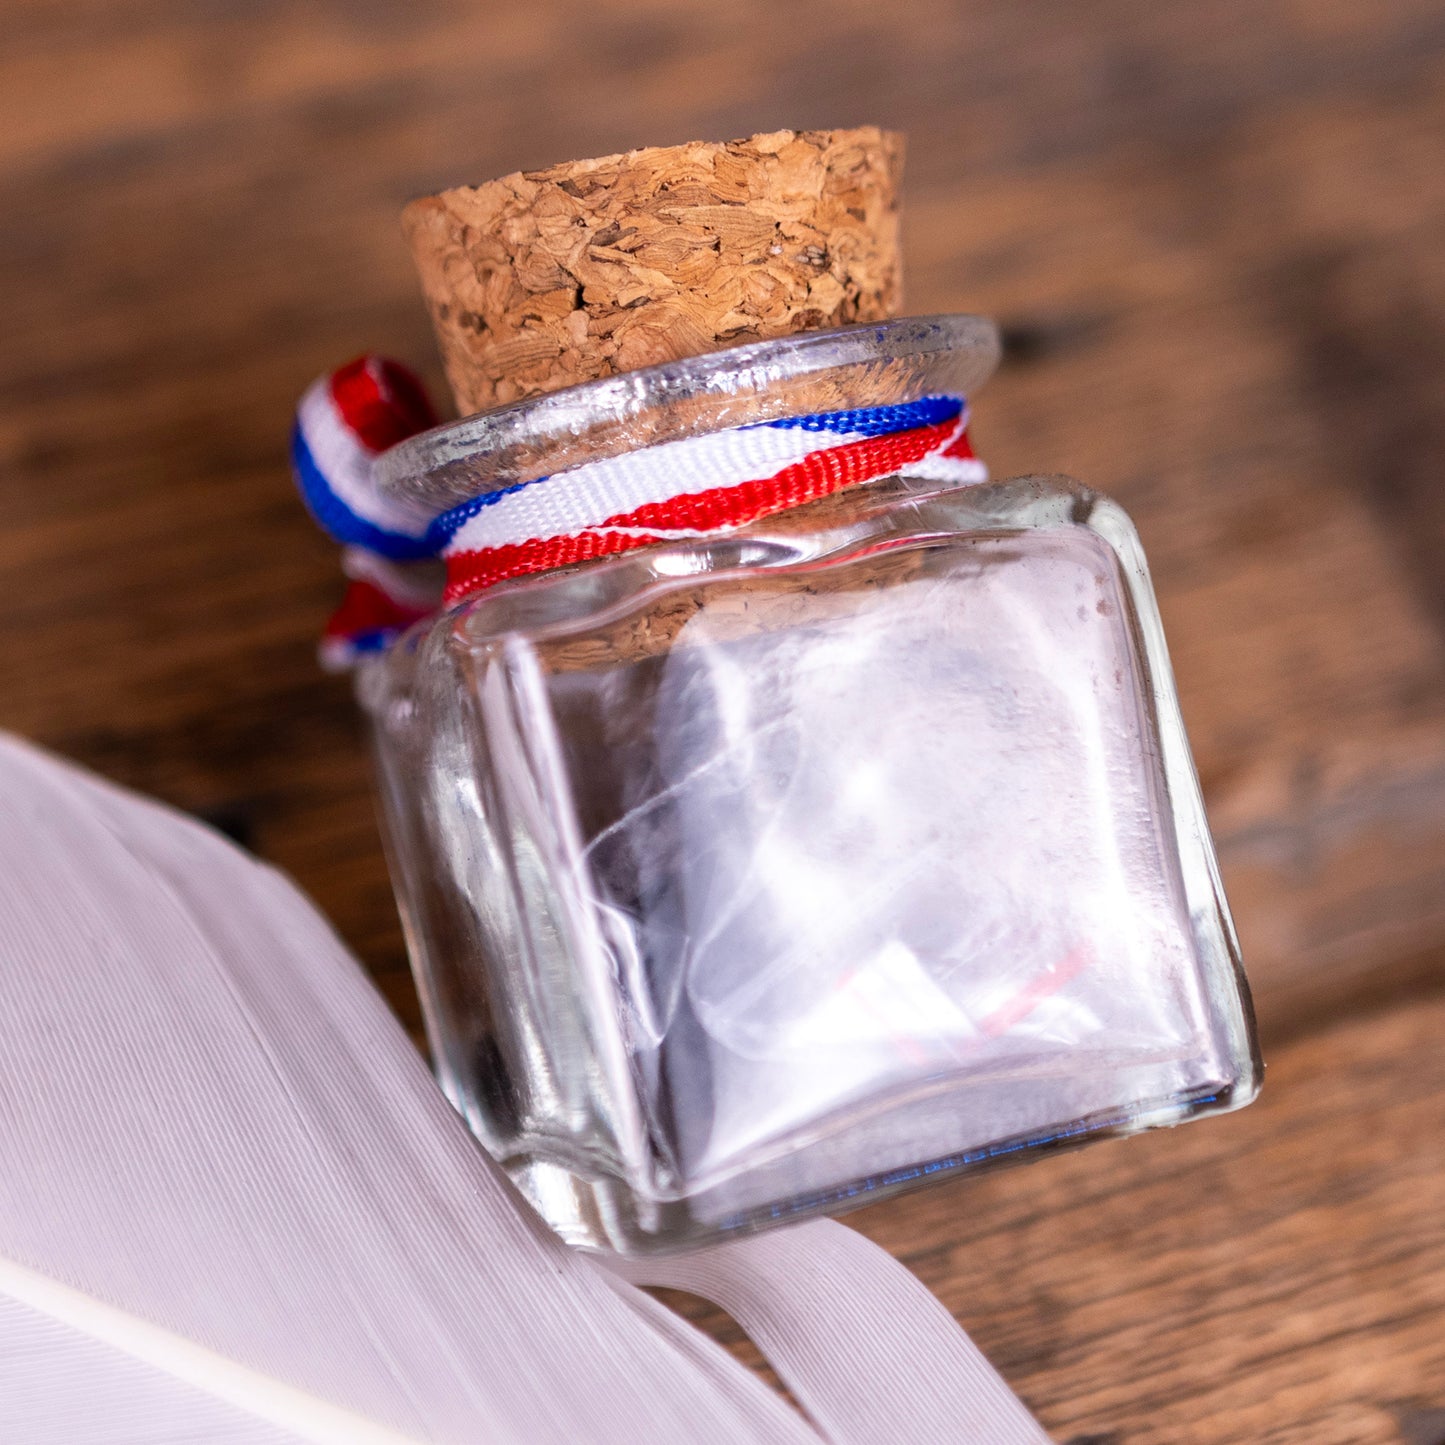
(888, 859)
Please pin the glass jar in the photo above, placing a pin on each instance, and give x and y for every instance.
(756, 874)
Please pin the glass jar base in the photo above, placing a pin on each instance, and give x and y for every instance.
(606, 1216)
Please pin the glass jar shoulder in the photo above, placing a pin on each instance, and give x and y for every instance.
(894, 514)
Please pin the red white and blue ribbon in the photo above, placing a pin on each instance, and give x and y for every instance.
(345, 421)
(383, 598)
(677, 490)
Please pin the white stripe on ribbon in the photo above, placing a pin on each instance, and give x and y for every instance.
(955, 471)
(580, 499)
(346, 464)
(409, 584)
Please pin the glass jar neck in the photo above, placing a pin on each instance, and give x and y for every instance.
(889, 364)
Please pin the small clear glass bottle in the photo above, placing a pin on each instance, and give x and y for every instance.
(753, 875)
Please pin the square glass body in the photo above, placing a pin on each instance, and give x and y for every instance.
(750, 877)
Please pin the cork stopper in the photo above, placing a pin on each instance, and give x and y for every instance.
(544, 279)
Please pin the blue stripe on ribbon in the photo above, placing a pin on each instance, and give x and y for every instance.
(876, 421)
(446, 526)
(339, 521)
(375, 641)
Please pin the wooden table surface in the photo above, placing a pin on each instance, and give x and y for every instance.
(1216, 236)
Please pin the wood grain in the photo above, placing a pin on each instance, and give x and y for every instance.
(1214, 235)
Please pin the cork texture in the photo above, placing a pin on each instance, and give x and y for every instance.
(544, 279)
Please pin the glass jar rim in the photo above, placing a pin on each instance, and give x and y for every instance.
(877, 364)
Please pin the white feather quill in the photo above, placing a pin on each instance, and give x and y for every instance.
(234, 1207)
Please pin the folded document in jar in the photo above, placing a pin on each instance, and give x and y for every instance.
(905, 874)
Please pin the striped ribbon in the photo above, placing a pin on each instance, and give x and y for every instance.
(694, 487)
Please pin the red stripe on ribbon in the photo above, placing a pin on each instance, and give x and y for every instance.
(366, 608)
(960, 449)
(816, 476)
(381, 401)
